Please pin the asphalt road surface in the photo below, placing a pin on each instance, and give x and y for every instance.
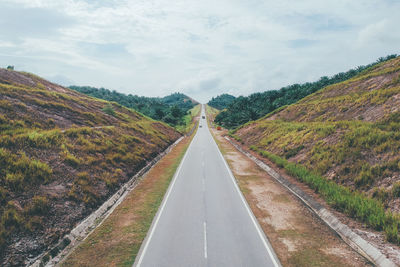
(204, 219)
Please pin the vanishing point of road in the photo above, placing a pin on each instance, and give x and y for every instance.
(204, 219)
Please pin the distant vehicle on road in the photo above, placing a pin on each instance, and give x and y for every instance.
(200, 126)
(203, 117)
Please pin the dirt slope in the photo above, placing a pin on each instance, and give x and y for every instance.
(348, 132)
(61, 155)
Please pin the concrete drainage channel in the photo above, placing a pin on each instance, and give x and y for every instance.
(80, 232)
(352, 239)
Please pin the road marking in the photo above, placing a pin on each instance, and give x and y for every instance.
(154, 226)
(259, 231)
(205, 239)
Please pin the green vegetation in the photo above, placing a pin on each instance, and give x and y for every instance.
(343, 141)
(128, 225)
(109, 109)
(255, 106)
(354, 204)
(58, 146)
(171, 109)
(222, 101)
(211, 113)
(189, 119)
(17, 171)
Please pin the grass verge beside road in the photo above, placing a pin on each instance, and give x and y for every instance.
(354, 204)
(189, 119)
(116, 242)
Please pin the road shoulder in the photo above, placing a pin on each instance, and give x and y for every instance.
(116, 242)
(297, 235)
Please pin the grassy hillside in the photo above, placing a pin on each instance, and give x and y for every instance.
(346, 134)
(61, 155)
(257, 105)
(171, 109)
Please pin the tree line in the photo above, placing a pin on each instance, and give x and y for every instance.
(170, 109)
(257, 105)
(221, 102)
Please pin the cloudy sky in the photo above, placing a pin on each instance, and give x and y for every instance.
(199, 47)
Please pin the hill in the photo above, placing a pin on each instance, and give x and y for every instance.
(346, 140)
(62, 154)
(222, 101)
(257, 105)
(170, 109)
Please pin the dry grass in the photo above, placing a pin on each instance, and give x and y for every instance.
(50, 136)
(117, 240)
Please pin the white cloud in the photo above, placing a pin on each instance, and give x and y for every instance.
(204, 48)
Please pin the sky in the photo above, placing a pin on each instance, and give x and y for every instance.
(200, 48)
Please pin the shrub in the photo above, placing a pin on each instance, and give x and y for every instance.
(392, 233)
(11, 219)
(38, 206)
(365, 177)
(381, 194)
(15, 181)
(292, 151)
(34, 223)
(71, 160)
(83, 176)
(111, 180)
(38, 172)
(396, 189)
(109, 109)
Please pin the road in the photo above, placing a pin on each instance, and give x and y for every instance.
(204, 219)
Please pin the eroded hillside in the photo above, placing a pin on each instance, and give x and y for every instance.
(347, 132)
(61, 155)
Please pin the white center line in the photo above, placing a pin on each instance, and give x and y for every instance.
(205, 240)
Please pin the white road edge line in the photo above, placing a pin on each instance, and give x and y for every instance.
(160, 211)
(205, 240)
(260, 232)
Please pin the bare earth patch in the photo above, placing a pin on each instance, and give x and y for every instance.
(298, 237)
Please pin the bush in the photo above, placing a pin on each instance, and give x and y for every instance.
(15, 181)
(71, 160)
(381, 194)
(38, 206)
(11, 219)
(396, 189)
(109, 110)
(34, 223)
(392, 234)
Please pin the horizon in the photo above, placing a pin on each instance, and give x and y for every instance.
(199, 49)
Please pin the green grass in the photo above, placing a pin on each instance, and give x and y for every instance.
(345, 140)
(347, 144)
(355, 204)
(188, 122)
